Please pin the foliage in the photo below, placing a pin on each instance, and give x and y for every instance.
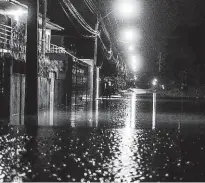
(46, 65)
(18, 36)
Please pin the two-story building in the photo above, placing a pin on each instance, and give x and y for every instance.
(58, 72)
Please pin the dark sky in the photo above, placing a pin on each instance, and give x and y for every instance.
(162, 17)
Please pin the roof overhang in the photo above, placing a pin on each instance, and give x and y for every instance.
(87, 61)
(50, 25)
(9, 4)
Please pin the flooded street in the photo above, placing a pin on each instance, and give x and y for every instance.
(133, 138)
(102, 91)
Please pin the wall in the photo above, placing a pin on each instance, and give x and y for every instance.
(48, 38)
(57, 40)
(4, 86)
(59, 90)
(17, 99)
(43, 93)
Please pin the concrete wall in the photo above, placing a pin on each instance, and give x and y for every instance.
(43, 93)
(5, 70)
(59, 90)
(17, 99)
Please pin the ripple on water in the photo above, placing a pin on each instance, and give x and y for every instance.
(96, 155)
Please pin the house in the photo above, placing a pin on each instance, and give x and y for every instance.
(54, 90)
(13, 20)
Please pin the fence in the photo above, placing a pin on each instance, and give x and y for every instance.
(57, 49)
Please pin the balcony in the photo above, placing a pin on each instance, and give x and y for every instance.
(14, 43)
(55, 52)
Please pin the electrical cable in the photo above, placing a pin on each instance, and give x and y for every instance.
(85, 25)
(79, 18)
(68, 16)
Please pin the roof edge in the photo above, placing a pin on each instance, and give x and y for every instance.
(18, 3)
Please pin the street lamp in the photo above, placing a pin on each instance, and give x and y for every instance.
(131, 48)
(130, 35)
(154, 82)
(128, 9)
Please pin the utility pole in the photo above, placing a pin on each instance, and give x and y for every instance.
(160, 61)
(96, 69)
(43, 42)
(31, 101)
(96, 43)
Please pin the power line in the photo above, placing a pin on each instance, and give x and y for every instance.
(79, 18)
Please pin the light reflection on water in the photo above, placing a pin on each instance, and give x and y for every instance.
(96, 113)
(124, 164)
(133, 110)
(154, 111)
(73, 117)
(128, 152)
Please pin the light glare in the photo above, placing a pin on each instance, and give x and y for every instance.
(131, 48)
(154, 82)
(130, 35)
(16, 13)
(135, 62)
(128, 9)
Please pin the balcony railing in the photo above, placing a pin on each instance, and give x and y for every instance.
(5, 37)
(57, 49)
(52, 48)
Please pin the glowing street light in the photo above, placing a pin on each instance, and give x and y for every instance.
(154, 82)
(128, 8)
(130, 35)
(135, 62)
(131, 48)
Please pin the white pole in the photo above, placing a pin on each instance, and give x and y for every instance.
(154, 112)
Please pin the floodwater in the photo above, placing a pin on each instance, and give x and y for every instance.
(133, 138)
